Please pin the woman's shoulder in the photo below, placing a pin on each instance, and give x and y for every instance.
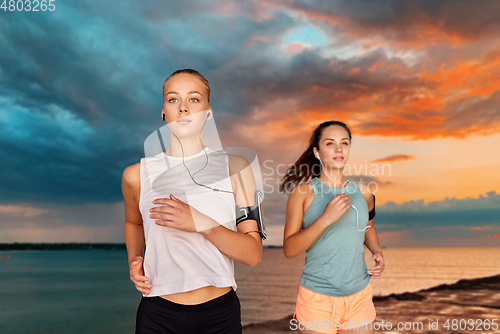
(131, 174)
(131, 181)
(237, 164)
(237, 161)
(364, 188)
(367, 193)
(303, 189)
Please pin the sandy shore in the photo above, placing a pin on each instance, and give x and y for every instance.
(473, 300)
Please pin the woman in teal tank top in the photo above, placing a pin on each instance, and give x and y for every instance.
(331, 219)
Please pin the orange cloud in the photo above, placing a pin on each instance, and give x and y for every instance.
(397, 157)
(471, 78)
(354, 70)
(430, 93)
(295, 47)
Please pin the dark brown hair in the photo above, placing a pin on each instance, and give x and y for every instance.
(189, 71)
(296, 173)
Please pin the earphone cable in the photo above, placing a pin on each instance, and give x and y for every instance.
(343, 192)
(182, 149)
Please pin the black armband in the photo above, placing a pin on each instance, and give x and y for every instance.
(371, 214)
(253, 213)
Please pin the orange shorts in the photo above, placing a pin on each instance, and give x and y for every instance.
(329, 314)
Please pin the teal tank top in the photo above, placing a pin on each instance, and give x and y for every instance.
(335, 262)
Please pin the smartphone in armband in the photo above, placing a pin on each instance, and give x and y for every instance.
(254, 212)
(260, 222)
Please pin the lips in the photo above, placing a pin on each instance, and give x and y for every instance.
(338, 158)
(183, 121)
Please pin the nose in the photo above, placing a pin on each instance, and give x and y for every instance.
(183, 109)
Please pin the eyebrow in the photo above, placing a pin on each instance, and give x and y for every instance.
(334, 139)
(191, 92)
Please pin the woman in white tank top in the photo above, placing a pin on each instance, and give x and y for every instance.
(187, 274)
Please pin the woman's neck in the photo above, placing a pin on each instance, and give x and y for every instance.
(190, 146)
(337, 178)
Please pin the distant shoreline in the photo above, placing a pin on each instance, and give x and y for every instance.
(27, 246)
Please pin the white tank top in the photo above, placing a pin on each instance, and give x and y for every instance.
(178, 261)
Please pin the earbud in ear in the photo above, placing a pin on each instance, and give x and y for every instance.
(208, 115)
(163, 116)
(317, 155)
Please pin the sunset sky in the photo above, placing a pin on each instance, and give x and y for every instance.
(417, 82)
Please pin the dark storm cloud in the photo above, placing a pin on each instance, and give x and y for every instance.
(71, 102)
(100, 66)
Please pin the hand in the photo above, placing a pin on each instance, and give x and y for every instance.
(137, 276)
(336, 208)
(180, 215)
(379, 267)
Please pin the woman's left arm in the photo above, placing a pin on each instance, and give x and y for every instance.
(371, 238)
(245, 245)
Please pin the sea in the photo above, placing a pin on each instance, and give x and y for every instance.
(90, 291)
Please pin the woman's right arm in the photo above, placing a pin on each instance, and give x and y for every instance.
(134, 232)
(296, 240)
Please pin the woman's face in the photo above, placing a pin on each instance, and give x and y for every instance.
(185, 104)
(334, 146)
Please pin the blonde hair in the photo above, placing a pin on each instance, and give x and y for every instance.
(189, 71)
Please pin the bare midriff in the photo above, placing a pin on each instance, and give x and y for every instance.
(197, 296)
